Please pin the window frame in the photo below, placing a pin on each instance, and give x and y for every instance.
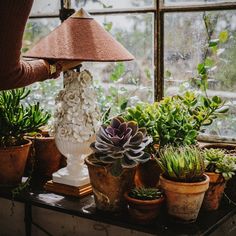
(159, 9)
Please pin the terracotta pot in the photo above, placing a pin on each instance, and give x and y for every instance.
(109, 190)
(215, 191)
(231, 184)
(143, 211)
(184, 200)
(47, 157)
(148, 174)
(13, 160)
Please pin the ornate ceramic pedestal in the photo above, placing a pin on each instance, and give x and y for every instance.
(76, 120)
(75, 173)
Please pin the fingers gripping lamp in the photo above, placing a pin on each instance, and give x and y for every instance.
(78, 38)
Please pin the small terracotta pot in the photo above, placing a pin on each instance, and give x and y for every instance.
(13, 160)
(184, 200)
(109, 190)
(215, 191)
(231, 184)
(143, 211)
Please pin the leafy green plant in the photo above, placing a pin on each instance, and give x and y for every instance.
(180, 118)
(145, 115)
(16, 119)
(218, 161)
(182, 164)
(120, 144)
(143, 193)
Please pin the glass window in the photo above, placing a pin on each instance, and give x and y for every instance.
(194, 40)
(194, 2)
(43, 92)
(125, 83)
(42, 7)
(106, 4)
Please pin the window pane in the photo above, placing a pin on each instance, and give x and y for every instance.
(43, 92)
(45, 7)
(119, 83)
(194, 40)
(192, 2)
(102, 4)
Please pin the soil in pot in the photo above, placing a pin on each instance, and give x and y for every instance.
(109, 190)
(144, 211)
(214, 193)
(13, 161)
(184, 200)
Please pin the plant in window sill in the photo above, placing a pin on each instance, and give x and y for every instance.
(144, 204)
(118, 149)
(15, 121)
(220, 167)
(181, 118)
(183, 181)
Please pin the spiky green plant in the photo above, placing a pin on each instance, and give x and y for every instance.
(183, 164)
(16, 119)
(218, 161)
(143, 193)
(121, 144)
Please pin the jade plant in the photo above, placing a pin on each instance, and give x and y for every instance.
(17, 119)
(143, 193)
(120, 144)
(177, 120)
(145, 115)
(181, 118)
(182, 164)
(218, 161)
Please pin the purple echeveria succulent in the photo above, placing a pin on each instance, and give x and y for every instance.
(121, 142)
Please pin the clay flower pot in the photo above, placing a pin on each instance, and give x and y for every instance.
(13, 160)
(143, 176)
(184, 200)
(144, 211)
(215, 191)
(45, 155)
(109, 190)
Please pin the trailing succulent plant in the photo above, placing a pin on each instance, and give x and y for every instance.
(121, 144)
(218, 161)
(143, 193)
(16, 119)
(182, 164)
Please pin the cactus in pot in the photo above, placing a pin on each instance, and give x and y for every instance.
(118, 149)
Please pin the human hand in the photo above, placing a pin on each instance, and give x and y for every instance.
(66, 65)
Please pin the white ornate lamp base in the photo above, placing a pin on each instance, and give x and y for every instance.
(75, 173)
(63, 176)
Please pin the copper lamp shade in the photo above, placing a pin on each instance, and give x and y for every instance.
(80, 38)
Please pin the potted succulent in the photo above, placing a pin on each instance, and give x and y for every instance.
(183, 181)
(118, 149)
(220, 167)
(16, 120)
(144, 204)
(181, 118)
(176, 121)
